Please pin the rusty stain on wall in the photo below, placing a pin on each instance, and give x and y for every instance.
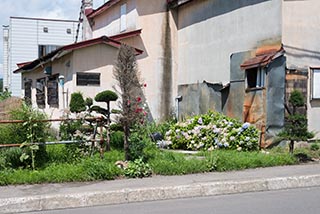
(166, 81)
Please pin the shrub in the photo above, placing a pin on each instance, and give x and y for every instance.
(116, 139)
(314, 147)
(99, 169)
(26, 133)
(141, 145)
(77, 103)
(213, 131)
(296, 127)
(4, 95)
(138, 169)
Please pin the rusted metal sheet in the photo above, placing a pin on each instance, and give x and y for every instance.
(233, 106)
(263, 107)
(275, 99)
(199, 98)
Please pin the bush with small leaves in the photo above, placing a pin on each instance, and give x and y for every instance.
(77, 103)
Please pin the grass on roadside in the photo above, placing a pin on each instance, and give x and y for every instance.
(87, 169)
(163, 163)
(169, 163)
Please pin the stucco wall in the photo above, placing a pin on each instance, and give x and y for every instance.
(109, 23)
(158, 40)
(210, 31)
(301, 33)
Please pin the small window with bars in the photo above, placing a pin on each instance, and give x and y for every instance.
(53, 91)
(40, 92)
(27, 91)
(88, 79)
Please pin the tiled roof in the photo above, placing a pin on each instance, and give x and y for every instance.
(264, 55)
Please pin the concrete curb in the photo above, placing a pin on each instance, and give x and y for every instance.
(85, 199)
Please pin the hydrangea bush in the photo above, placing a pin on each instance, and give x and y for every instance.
(213, 131)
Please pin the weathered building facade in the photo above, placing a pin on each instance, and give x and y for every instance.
(300, 38)
(239, 57)
(83, 67)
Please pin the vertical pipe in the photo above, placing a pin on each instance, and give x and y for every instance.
(6, 73)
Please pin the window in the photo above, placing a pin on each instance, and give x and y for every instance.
(255, 77)
(27, 91)
(45, 49)
(315, 83)
(53, 92)
(123, 17)
(45, 29)
(40, 92)
(68, 31)
(86, 79)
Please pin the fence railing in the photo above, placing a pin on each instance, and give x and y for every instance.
(98, 125)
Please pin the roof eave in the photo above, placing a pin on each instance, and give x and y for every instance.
(172, 4)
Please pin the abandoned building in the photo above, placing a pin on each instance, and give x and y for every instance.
(239, 57)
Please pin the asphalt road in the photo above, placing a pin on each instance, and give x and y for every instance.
(294, 201)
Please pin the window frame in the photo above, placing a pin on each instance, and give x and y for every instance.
(41, 103)
(28, 91)
(260, 78)
(85, 78)
(313, 83)
(53, 92)
(46, 49)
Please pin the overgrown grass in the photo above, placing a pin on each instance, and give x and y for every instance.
(87, 169)
(233, 160)
(162, 163)
(169, 163)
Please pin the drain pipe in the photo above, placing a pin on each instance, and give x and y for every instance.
(178, 100)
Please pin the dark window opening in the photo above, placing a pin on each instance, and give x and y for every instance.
(27, 91)
(68, 31)
(255, 77)
(45, 49)
(87, 79)
(53, 91)
(40, 92)
(45, 29)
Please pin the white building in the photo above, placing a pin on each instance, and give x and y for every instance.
(28, 38)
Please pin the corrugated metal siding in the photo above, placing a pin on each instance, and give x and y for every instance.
(27, 34)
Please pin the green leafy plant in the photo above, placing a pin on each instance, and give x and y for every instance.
(77, 103)
(106, 96)
(4, 95)
(314, 147)
(32, 131)
(296, 127)
(138, 169)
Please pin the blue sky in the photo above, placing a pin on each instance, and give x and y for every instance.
(53, 9)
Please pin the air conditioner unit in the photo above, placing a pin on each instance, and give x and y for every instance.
(47, 70)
